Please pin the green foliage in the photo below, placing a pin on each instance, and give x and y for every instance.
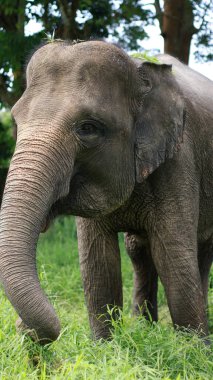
(7, 142)
(145, 57)
(203, 35)
(124, 21)
(138, 349)
(131, 18)
(76, 20)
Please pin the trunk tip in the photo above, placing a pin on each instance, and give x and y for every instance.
(41, 335)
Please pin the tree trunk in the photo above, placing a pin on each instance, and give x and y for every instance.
(177, 28)
(13, 23)
(68, 15)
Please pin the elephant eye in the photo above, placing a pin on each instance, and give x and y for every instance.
(87, 129)
(90, 133)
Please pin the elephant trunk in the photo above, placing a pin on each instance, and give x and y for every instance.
(31, 188)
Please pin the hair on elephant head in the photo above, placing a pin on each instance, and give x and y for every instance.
(93, 125)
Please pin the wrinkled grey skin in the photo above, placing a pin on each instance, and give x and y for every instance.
(126, 146)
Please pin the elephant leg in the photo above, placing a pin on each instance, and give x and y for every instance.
(205, 257)
(145, 278)
(101, 273)
(175, 256)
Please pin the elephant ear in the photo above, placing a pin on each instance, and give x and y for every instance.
(160, 117)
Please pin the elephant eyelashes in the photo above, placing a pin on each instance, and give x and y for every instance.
(90, 132)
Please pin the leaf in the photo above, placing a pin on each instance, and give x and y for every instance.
(145, 57)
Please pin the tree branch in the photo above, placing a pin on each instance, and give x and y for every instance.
(68, 14)
(159, 13)
(207, 7)
(63, 6)
(21, 17)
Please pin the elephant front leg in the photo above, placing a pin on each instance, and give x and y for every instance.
(145, 278)
(101, 273)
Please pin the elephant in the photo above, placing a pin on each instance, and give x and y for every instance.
(125, 145)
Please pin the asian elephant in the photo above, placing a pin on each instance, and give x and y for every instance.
(126, 145)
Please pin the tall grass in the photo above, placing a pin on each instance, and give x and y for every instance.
(138, 349)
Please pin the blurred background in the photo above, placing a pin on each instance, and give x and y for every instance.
(182, 28)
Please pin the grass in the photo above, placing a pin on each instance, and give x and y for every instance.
(138, 349)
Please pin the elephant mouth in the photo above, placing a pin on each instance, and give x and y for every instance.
(45, 226)
(66, 206)
(60, 207)
(80, 201)
(53, 212)
(46, 223)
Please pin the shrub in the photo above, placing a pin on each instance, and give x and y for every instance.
(7, 141)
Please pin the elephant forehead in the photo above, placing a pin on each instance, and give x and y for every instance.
(90, 75)
(80, 63)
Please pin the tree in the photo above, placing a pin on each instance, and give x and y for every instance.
(15, 47)
(177, 22)
(66, 19)
(7, 142)
(84, 19)
(7, 145)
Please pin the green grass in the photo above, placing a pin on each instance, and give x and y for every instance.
(138, 349)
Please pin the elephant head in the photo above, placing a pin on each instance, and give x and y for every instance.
(91, 123)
